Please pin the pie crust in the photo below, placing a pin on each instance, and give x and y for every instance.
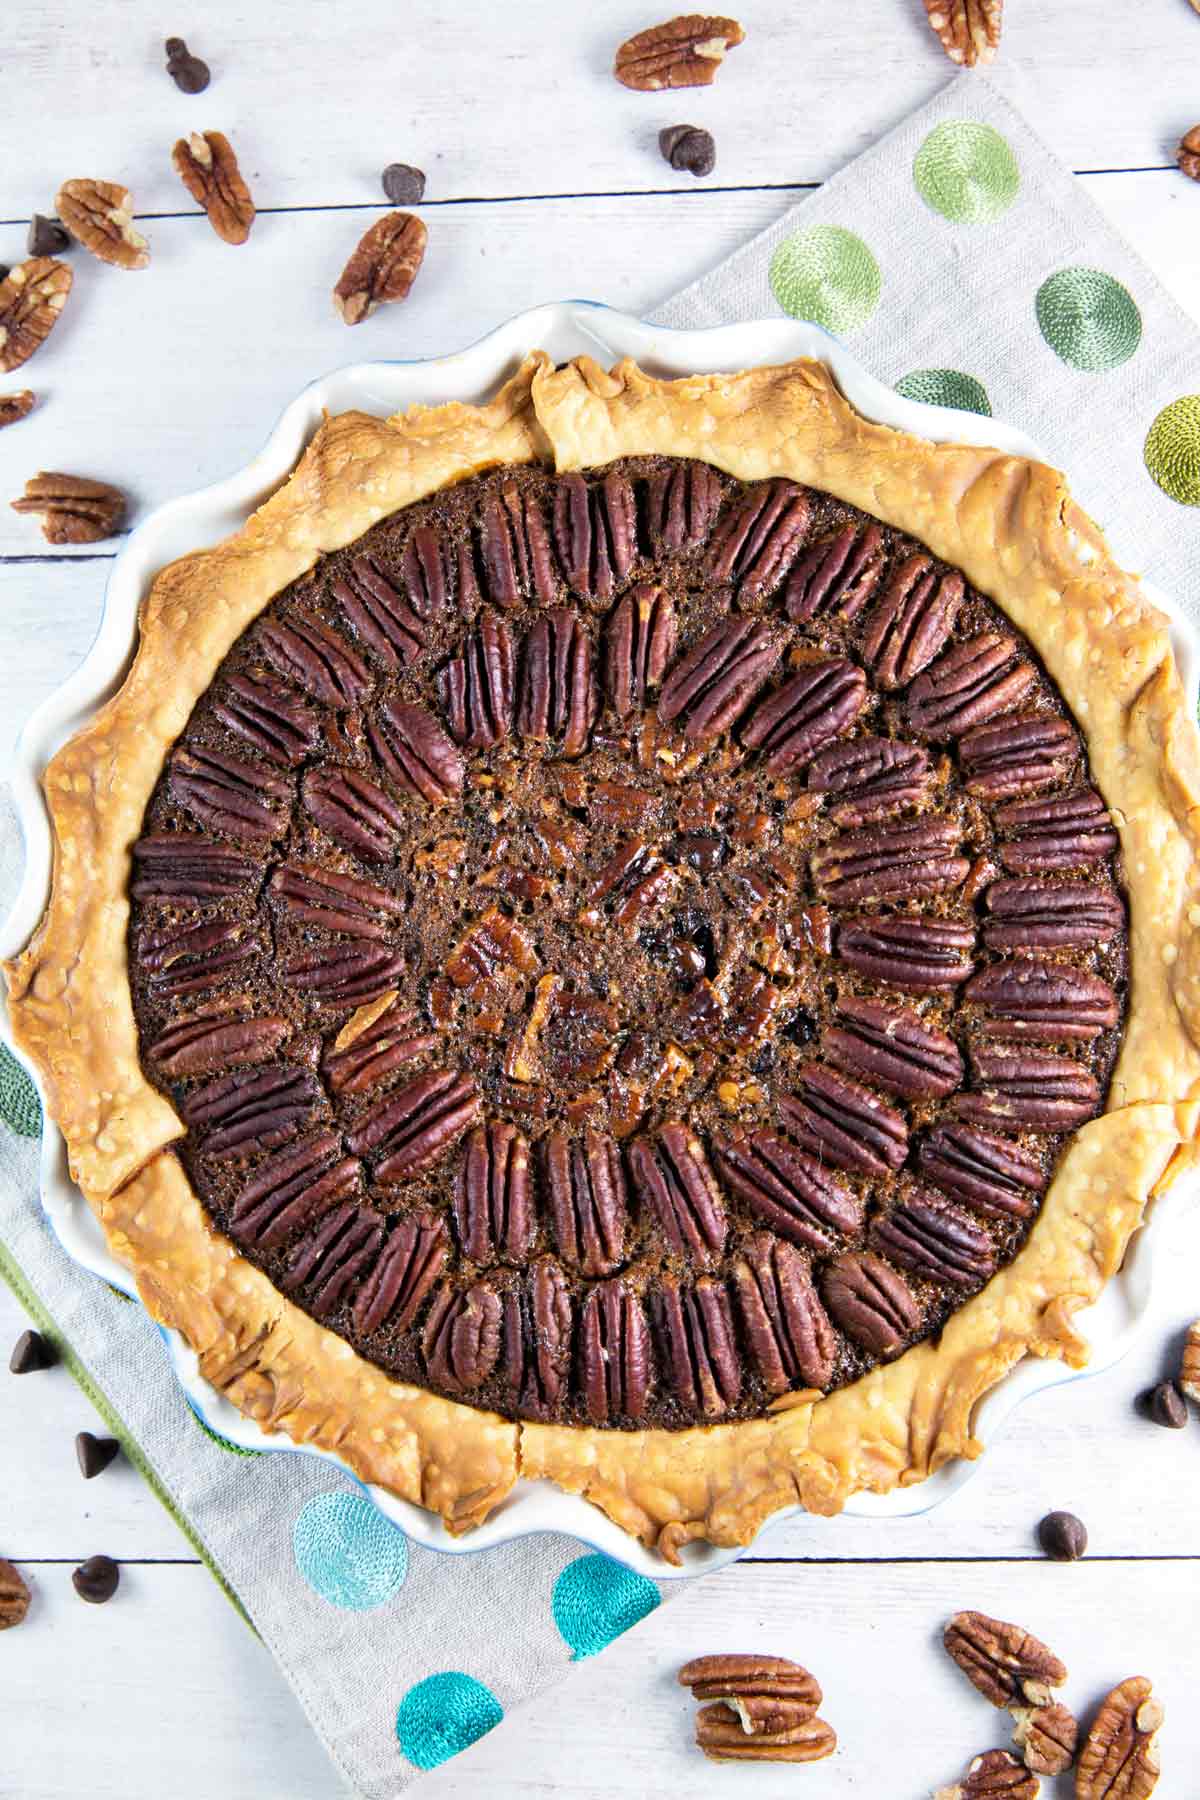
(1012, 528)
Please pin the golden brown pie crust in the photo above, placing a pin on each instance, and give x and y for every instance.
(1011, 526)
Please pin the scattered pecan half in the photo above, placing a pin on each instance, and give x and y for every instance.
(1046, 1737)
(614, 1353)
(639, 642)
(713, 683)
(536, 1336)
(685, 52)
(252, 1110)
(723, 1738)
(408, 1265)
(1055, 836)
(293, 1187)
(589, 1200)
(870, 778)
(332, 1255)
(788, 1190)
(899, 861)
(1018, 755)
(14, 1596)
(968, 30)
(1028, 1090)
(461, 1339)
(595, 533)
(417, 1125)
(911, 621)
(759, 539)
(786, 1328)
(837, 574)
(994, 1176)
(185, 869)
(672, 1176)
(967, 685)
(844, 1123)
(681, 506)
(1119, 1759)
(768, 1693)
(1188, 153)
(918, 955)
(206, 165)
(996, 1775)
(74, 510)
(383, 266)
(929, 1236)
(378, 612)
(31, 297)
(99, 215)
(893, 1048)
(493, 1196)
(819, 703)
(1027, 914)
(1189, 1362)
(870, 1301)
(1029, 998)
(14, 407)
(699, 1359)
(1006, 1664)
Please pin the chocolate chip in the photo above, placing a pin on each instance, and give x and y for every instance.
(94, 1453)
(190, 75)
(404, 185)
(1165, 1405)
(46, 237)
(4, 271)
(96, 1580)
(688, 147)
(1062, 1536)
(31, 1352)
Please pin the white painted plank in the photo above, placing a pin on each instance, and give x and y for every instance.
(49, 612)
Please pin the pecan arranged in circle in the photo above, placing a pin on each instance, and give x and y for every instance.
(1005, 1663)
(515, 549)
(672, 1176)
(788, 1190)
(99, 215)
(819, 703)
(589, 1201)
(353, 810)
(891, 862)
(685, 52)
(536, 1340)
(558, 689)
(1028, 914)
(837, 575)
(74, 509)
(919, 955)
(870, 1301)
(206, 1042)
(408, 1265)
(787, 1329)
(206, 165)
(699, 1355)
(595, 533)
(412, 749)
(1028, 998)
(681, 507)
(190, 959)
(379, 613)
(844, 1123)
(639, 640)
(477, 685)
(305, 651)
(375, 1041)
(759, 540)
(931, 1237)
(1018, 756)
(1055, 836)
(252, 1110)
(270, 717)
(614, 1353)
(344, 974)
(237, 798)
(382, 267)
(493, 1196)
(911, 621)
(713, 683)
(1119, 1759)
(185, 869)
(461, 1339)
(311, 894)
(334, 1254)
(989, 1173)
(893, 1048)
(31, 297)
(968, 684)
(292, 1187)
(417, 1125)
(870, 778)
(1028, 1090)
(424, 568)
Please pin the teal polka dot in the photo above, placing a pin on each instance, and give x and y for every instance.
(946, 387)
(1088, 319)
(348, 1552)
(445, 1714)
(827, 275)
(966, 172)
(596, 1599)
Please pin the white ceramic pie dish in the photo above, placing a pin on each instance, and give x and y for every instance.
(564, 330)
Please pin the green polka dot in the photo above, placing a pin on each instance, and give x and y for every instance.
(595, 1599)
(827, 275)
(1088, 319)
(1173, 450)
(946, 387)
(445, 1714)
(966, 172)
(19, 1106)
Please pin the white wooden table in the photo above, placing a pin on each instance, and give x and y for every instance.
(544, 181)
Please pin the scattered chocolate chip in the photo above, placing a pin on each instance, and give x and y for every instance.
(94, 1453)
(1062, 1536)
(688, 147)
(31, 1352)
(46, 237)
(1165, 1405)
(190, 75)
(404, 185)
(96, 1580)
(14, 1596)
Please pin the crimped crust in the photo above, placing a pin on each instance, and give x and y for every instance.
(1010, 525)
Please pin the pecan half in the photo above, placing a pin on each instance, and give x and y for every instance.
(535, 1359)
(206, 165)
(893, 1048)
(353, 810)
(1047, 1737)
(411, 747)
(515, 547)
(787, 1329)
(31, 297)
(252, 1110)
(615, 1362)
(672, 1176)
(311, 894)
(476, 686)
(212, 1041)
(931, 1237)
(589, 1200)
(273, 719)
(99, 215)
(1030, 998)
(493, 1196)
(920, 955)
(237, 798)
(788, 1190)
(1119, 1759)
(14, 407)
(14, 1596)
(74, 509)
(1027, 914)
(699, 1359)
(891, 862)
(382, 267)
(968, 684)
(595, 533)
(819, 703)
(767, 1694)
(291, 1188)
(328, 1262)
(461, 1339)
(723, 1738)
(378, 612)
(911, 621)
(870, 778)
(344, 974)
(996, 1775)
(681, 507)
(714, 682)
(639, 642)
(1028, 1090)
(989, 1173)
(1006, 1664)
(1018, 756)
(417, 1125)
(1189, 1362)
(838, 574)
(424, 567)
(844, 1123)
(304, 650)
(759, 539)
(1055, 836)
(558, 685)
(685, 52)
(188, 870)
(968, 30)
(408, 1265)
(376, 1041)
(872, 1304)
(188, 959)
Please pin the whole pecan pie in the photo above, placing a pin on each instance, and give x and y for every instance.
(643, 933)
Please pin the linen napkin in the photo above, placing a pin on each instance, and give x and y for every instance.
(963, 264)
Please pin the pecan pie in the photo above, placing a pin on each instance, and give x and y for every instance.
(642, 933)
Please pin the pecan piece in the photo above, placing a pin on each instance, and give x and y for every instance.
(1006, 1664)
(1028, 1090)
(699, 1356)
(844, 1123)
(639, 642)
(408, 1265)
(378, 1039)
(1018, 755)
(304, 650)
(494, 943)
(461, 1339)
(989, 1173)
(417, 1125)
(682, 503)
(275, 721)
(911, 620)
(1030, 998)
(968, 684)
(493, 1196)
(968, 30)
(332, 1257)
(228, 795)
(931, 1237)
(252, 1110)
(685, 52)
(891, 862)
(838, 574)
(1055, 835)
(206, 165)
(212, 1041)
(893, 1048)
(558, 683)
(74, 509)
(99, 215)
(632, 881)
(311, 894)
(382, 267)
(293, 1187)
(1027, 914)
(344, 974)
(188, 959)
(787, 1329)
(411, 747)
(819, 703)
(759, 540)
(354, 811)
(476, 686)
(515, 547)
(996, 1775)
(589, 1200)
(920, 955)
(672, 1176)
(14, 407)
(714, 682)
(1046, 1737)
(788, 1190)
(870, 778)
(378, 612)
(31, 297)
(615, 1362)
(188, 870)
(1119, 1759)
(595, 532)
(536, 1355)
(425, 570)
(872, 1304)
